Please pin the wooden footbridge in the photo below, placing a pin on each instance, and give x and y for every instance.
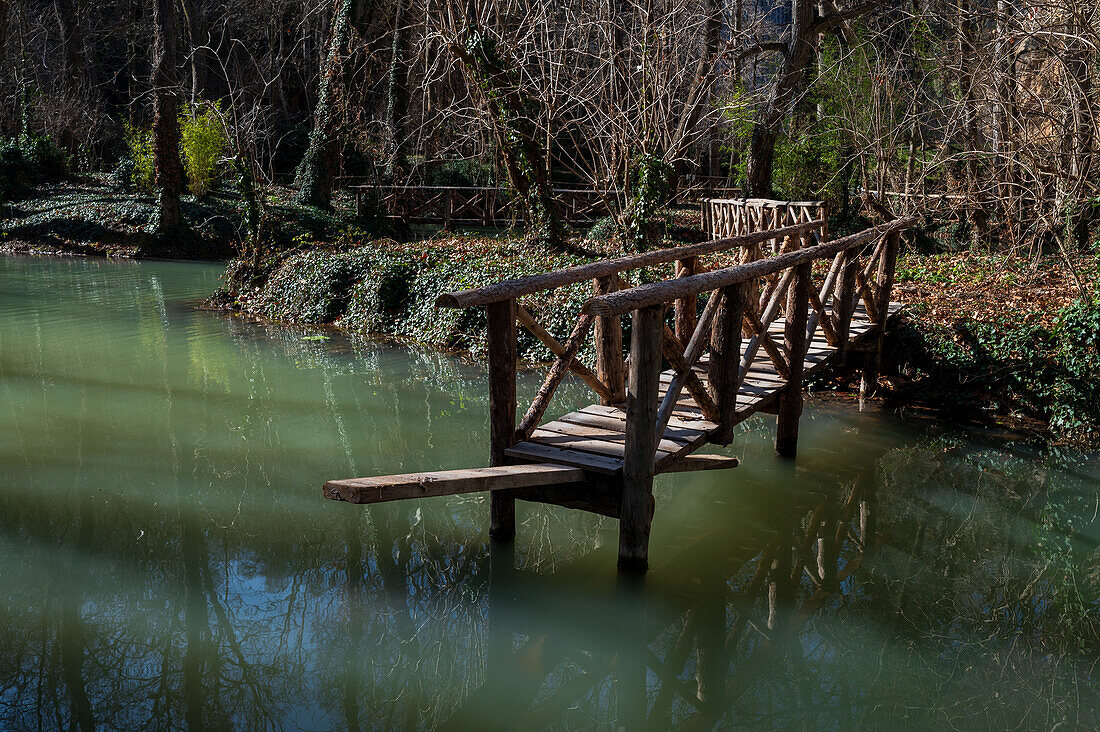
(769, 320)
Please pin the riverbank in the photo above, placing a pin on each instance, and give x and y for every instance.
(983, 337)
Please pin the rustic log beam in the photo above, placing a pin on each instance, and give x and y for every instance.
(502, 409)
(843, 304)
(641, 438)
(553, 379)
(674, 353)
(586, 375)
(790, 400)
(818, 299)
(775, 353)
(669, 290)
(683, 360)
(873, 363)
(511, 289)
(686, 308)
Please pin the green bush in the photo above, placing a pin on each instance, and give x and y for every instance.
(382, 289)
(203, 143)
(139, 143)
(27, 161)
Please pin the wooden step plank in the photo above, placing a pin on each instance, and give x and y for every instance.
(691, 463)
(688, 421)
(448, 482)
(585, 444)
(680, 434)
(545, 453)
(597, 433)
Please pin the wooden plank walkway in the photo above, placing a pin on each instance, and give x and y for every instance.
(594, 438)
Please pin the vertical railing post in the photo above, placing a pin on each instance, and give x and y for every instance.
(725, 358)
(845, 303)
(502, 409)
(641, 437)
(885, 277)
(608, 334)
(794, 336)
(686, 308)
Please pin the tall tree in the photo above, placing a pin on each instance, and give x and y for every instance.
(797, 49)
(4, 11)
(514, 113)
(318, 168)
(397, 94)
(166, 130)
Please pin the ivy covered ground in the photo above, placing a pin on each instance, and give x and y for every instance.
(97, 216)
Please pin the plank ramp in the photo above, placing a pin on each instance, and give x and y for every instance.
(387, 488)
(594, 438)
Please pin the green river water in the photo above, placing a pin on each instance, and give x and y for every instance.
(167, 560)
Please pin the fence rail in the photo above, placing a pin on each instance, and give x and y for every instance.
(725, 217)
(494, 207)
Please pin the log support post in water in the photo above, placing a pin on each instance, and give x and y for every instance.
(794, 336)
(643, 393)
(502, 409)
(872, 366)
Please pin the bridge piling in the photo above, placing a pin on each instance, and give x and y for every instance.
(501, 342)
(643, 393)
(794, 336)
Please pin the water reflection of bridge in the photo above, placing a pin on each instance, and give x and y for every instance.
(674, 650)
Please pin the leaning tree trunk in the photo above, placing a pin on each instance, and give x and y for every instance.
(512, 110)
(769, 122)
(4, 9)
(166, 128)
(318, 168)
(397, 95)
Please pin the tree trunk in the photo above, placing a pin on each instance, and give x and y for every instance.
(397, 95)
(318, 168)
(518, 136)
(769, 122)
(166, 130)
(4, 11)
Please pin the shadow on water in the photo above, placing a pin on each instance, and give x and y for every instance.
(166, 559)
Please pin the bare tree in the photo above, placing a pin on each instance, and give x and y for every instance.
(166, 131)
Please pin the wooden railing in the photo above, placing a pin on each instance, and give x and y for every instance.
(494, 207)
(725, 217)
(478, 206)
(748, 298)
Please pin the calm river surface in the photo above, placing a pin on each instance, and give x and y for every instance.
(167, 561)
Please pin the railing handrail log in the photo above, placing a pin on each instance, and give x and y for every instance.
(510, 289)
(767, 202)
(656, 293)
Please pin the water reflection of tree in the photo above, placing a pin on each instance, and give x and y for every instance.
(976, 610)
